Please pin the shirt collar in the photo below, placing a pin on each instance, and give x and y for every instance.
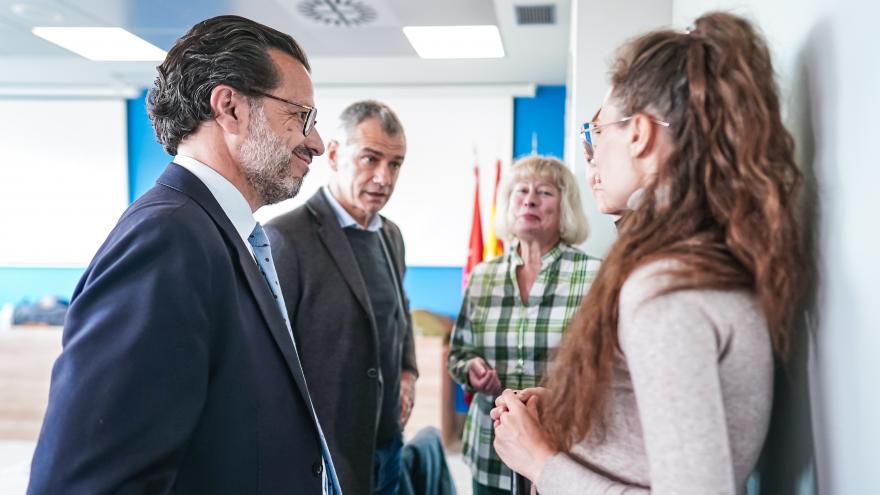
(345, 219)
(546, 259)
(231, 200)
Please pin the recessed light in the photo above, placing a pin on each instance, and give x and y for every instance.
(106, 44)
(455, 41)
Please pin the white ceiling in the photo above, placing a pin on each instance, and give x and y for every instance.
(375, 53)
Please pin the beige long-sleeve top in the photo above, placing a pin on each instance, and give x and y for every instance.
(690, 401)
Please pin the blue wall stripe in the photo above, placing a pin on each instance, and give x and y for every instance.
(30, 284)
(432, 288)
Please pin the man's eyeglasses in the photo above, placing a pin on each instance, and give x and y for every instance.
(311, 112)
(592, 129)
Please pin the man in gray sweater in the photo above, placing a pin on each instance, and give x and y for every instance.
(341, 266)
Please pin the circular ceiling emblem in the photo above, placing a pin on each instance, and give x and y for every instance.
(341, 13)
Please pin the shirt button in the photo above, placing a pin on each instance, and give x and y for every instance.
(372, 373)
(317, 468)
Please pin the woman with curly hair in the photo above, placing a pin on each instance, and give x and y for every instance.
(664, 381)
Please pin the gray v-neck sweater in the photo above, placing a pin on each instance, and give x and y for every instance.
(690, 401)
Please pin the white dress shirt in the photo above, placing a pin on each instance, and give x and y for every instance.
(231, 200)
(345, 219)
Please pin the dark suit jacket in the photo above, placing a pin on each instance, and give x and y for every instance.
(178, 373)
(335, 330)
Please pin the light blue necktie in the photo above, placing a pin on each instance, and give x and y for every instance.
(263, 255)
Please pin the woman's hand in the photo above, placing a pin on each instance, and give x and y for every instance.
(519, 440)
(524, 396)
(483, 378)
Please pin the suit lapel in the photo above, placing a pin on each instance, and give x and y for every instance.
(337, 245)
(180, 179)
(273, 317)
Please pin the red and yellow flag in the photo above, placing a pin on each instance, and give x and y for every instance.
(494, 246)
(475, 245)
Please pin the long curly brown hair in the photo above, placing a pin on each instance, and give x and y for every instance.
(723, 204)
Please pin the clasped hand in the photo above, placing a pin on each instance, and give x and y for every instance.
(519, 440)
(483, 378)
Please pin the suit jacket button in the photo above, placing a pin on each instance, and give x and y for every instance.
(372, 373)
(317, 468)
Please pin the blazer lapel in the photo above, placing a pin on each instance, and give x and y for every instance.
(180, 179)
(337, 245)
(274, 319)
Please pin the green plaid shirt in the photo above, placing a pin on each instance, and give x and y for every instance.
(515, 339)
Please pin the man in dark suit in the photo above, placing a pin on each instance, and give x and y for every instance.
(179, 372)
(341, 268)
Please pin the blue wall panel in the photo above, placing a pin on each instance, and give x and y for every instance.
(541, 116)
(433, 288)
(146, 157)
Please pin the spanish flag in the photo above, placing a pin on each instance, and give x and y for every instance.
(493, 246)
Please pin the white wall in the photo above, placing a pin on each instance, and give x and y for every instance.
(827, 60)
(63, 179)
(845, 70)
(433, 200)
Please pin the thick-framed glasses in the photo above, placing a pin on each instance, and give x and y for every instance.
(592, 129)
(311, 112)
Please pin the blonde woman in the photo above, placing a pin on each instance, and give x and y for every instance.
(517, 306)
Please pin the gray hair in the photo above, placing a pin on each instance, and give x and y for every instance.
(573, 226)
(360, 111)
(225, 49)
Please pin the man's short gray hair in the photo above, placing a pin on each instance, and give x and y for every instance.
(360, 111)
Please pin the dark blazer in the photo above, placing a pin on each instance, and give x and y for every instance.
(178, 373)
(335, 330)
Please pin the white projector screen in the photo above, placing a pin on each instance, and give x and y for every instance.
(63, 179)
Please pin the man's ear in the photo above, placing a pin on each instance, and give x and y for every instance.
(230, 109)
(333, 154)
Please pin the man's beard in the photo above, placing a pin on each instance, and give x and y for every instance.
(265, 161)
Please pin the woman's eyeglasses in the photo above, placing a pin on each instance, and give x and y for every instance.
(592, 129)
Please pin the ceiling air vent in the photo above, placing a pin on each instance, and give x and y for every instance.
(530, 15)
(338, 13)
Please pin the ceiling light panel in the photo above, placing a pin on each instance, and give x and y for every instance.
(104, 44)
(455, 41)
